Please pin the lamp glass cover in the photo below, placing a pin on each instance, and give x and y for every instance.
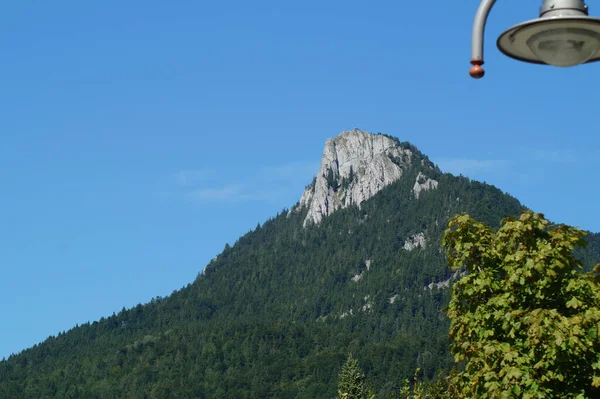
(564, 47)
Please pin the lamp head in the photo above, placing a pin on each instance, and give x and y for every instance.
(564, 35)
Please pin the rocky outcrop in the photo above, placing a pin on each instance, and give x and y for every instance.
(417, 240)
(355, 166)
(368, 306)
(357, 277)
(445, 283)
(423, 183)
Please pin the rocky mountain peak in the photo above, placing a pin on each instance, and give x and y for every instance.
(354, 167)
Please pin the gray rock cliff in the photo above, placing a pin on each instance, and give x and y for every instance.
(423, 183)
(354, 167)
(417, 240)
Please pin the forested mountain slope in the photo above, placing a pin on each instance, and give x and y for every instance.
(275, 315)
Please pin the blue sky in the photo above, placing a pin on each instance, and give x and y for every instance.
(137, 138)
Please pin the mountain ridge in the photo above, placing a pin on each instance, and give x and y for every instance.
(275, 314)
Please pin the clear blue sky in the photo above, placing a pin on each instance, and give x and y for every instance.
(138, 137)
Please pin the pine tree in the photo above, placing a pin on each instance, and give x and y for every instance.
(352, 383)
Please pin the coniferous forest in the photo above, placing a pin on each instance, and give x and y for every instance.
(276, 314)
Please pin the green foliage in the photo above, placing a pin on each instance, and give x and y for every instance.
(525, 320)
(346, 181)
(416, 390)
(352, 382)
(332, 180)
(442, 387)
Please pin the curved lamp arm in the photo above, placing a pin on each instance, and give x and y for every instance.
(477, 39)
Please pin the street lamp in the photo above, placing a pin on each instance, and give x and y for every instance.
(564, 35)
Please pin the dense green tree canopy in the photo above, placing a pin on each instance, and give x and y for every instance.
(525, 320)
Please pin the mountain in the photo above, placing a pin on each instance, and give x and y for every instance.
(356, 266)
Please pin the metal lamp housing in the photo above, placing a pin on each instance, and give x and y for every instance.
(564, 35)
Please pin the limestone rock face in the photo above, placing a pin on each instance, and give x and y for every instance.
(423, 183)
(417, 240)
(354, 167)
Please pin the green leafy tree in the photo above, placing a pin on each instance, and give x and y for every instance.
(443, 387)
(524, 319)
(352, 382)
(416, 391)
